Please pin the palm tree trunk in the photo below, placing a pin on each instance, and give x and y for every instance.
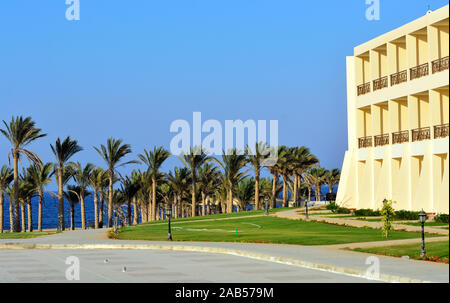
(110, 200)
(83, 212)
(100, 215)
(257, 189)
(11, 216)
(1, 212)
(30, 216)
(72, 217)
(41, 199)
(330, 188)
(203, 204)
(295, 189)
(129, 213)
(95, 209)
(135, 212)
(273, 203)
(60, 200)
(194, 198)
(16, 192)
(230, 200)
(22, 214)
(153, 198)
(285, 192)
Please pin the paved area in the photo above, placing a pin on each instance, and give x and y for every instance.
(294, 215)
(154, 266)
(308, 258)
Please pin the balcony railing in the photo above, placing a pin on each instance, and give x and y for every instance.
(380, 83)
(441, 131)
(382, 140)
(365, 142)
(419, 71)
(400, 137)
(399, 77)
(364, 89)
(439, 65)
(420, 134)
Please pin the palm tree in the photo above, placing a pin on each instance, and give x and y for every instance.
(73, 196)
(318, 177)
(6, 177)
(112, 154)
(255, 158)
(233, 162)
(208, 178)
(20, 133)
(63, 151)
(180, 181)
(96, 181)
(41, 176)
(193, 160)
(245, 191)
(302, 159)
(129, 190)
(332, 178)
(81, 175)
(154, 159)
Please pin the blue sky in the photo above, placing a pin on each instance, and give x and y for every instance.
(129, 68)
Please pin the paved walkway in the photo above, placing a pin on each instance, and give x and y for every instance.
(294, 215)
(324, 259)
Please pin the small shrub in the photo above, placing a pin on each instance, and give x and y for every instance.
(406, 215)
(388, 213)
(441, 218)
(333, 207)
(343, 210)
(366, 213)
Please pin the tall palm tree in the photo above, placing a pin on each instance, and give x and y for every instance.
(154, 159)
(208, 177)
(193, 160)
(6, 177)
(332, 178)
(255, 158)
(129, 190)
(20, 132)
(96, 181)
(275, 169)
(63, 151)
(81, 175)
(302, 159)
(318, 177)
(41, 176)
(73, 196)
(232, 164)
(112, 154)
(180, 181)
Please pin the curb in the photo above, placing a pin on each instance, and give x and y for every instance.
(262, 257)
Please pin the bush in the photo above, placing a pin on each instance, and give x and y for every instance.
(388, 213)
(333, 207)
(343, 210)
(366, 213)
(406, 215)
(441, 218)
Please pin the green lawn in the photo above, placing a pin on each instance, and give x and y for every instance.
(27, 235)
(260, 230)
(426, 223)
(434, 249)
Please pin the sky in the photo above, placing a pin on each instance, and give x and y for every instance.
(128, 69)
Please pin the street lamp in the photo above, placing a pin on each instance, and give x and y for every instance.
(266, 202)
(423, 218)
(169, 214)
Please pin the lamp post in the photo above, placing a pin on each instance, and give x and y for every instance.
(423, 218)
(169, 214)
(266, 202)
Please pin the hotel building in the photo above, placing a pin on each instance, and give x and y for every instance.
(398, 119)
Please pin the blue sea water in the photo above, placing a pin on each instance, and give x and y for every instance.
(50, 211)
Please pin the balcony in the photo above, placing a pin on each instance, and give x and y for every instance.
(441, 131)
(420, 134)
(419, 71)
(364, 89)
(439, 65)
(365, 142)
(380, 83)
(400, 137)
(399, 77)
(381, 140)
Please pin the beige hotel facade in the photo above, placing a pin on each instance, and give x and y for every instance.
(398, 119)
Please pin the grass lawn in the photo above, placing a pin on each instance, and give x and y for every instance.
(434, 249)
(27, 235)
(426, 223)
(260, 230)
